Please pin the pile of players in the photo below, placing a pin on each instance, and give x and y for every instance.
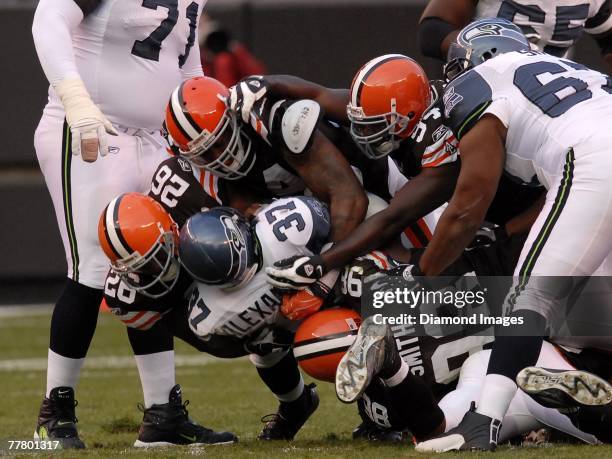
(258, 220)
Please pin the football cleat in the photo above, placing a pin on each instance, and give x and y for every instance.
(291, 416)
(169, 424)
(475, 432)
(373, 351)
(371, 432)
(564, 389)
(57, 420)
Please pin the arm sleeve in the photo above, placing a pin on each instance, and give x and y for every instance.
(601, 23)
(54, 23)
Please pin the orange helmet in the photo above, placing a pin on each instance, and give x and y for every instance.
(388, 97)
(206, 132)
(140, 239)
(322, 339)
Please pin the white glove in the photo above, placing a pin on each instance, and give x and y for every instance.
(296, 272)
(88, 124)
(245, 94)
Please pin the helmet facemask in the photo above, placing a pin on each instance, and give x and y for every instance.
(378, 135)
(236, 159)
(156, 272)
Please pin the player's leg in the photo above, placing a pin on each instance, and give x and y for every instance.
(165, 420)
(374, 357)
(279, 371)
(554, 247)
(79, 192)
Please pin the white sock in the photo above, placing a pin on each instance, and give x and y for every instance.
(399, 376)
(293, 394)
(62, 371)
(156, 376)
(496, 395)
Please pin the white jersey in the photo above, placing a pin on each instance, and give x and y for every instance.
(287, 227)
(548, 104)
(131, 57)
(551, 27)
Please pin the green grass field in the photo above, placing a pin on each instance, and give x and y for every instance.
(224, 395)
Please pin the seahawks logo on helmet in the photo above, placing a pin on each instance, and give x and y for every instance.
(480, 30)
(233, 234)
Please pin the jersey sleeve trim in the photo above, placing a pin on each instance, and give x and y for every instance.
(472, 119)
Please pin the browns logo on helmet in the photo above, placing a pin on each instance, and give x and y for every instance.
(140, 239)
(205, 131)
(322, 339)
(388, 97)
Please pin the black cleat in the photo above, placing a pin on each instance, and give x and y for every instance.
(291, 416)
(373, 351)
(564, 390)
(169, 424)
(57, 420)
(475, 432)
(371, 432)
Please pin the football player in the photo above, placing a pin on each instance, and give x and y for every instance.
(97, 56)
(227, 254)
(392, 109)
(147, 290)
(280, 154)
(551, 27)
(507, 100)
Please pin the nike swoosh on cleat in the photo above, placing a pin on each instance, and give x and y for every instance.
(63, 423)
(187, 437)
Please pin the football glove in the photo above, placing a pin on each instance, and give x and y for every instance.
(296, 272)
(487, 236)
(245, 94)
(299, 305)
(88, 124)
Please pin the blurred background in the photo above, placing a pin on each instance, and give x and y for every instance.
(321, 40)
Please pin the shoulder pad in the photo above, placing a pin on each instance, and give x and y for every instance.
(299, 123)
(465, 99)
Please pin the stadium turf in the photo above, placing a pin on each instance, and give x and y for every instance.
(223, 395)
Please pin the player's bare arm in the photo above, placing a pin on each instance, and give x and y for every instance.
(329, 176)
(332, 101)
(421, 195)
(482, 160)
(440, 24)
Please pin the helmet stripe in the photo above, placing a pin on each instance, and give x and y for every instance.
(112, 226)
(179, 117)
(107, 238)
(323, 347)
(365, 71)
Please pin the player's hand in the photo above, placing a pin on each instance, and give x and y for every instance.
(88, 124)
(89, 137)
(244, 95)
(296, 273)
(304, 303)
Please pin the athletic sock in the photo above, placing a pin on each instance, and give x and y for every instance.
(73, 324)
(156, 376)
(496, 395)
(282, 376)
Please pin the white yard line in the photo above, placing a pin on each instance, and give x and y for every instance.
(26, 310)
(102, 363)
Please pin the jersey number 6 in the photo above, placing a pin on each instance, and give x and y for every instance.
(150, 47)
